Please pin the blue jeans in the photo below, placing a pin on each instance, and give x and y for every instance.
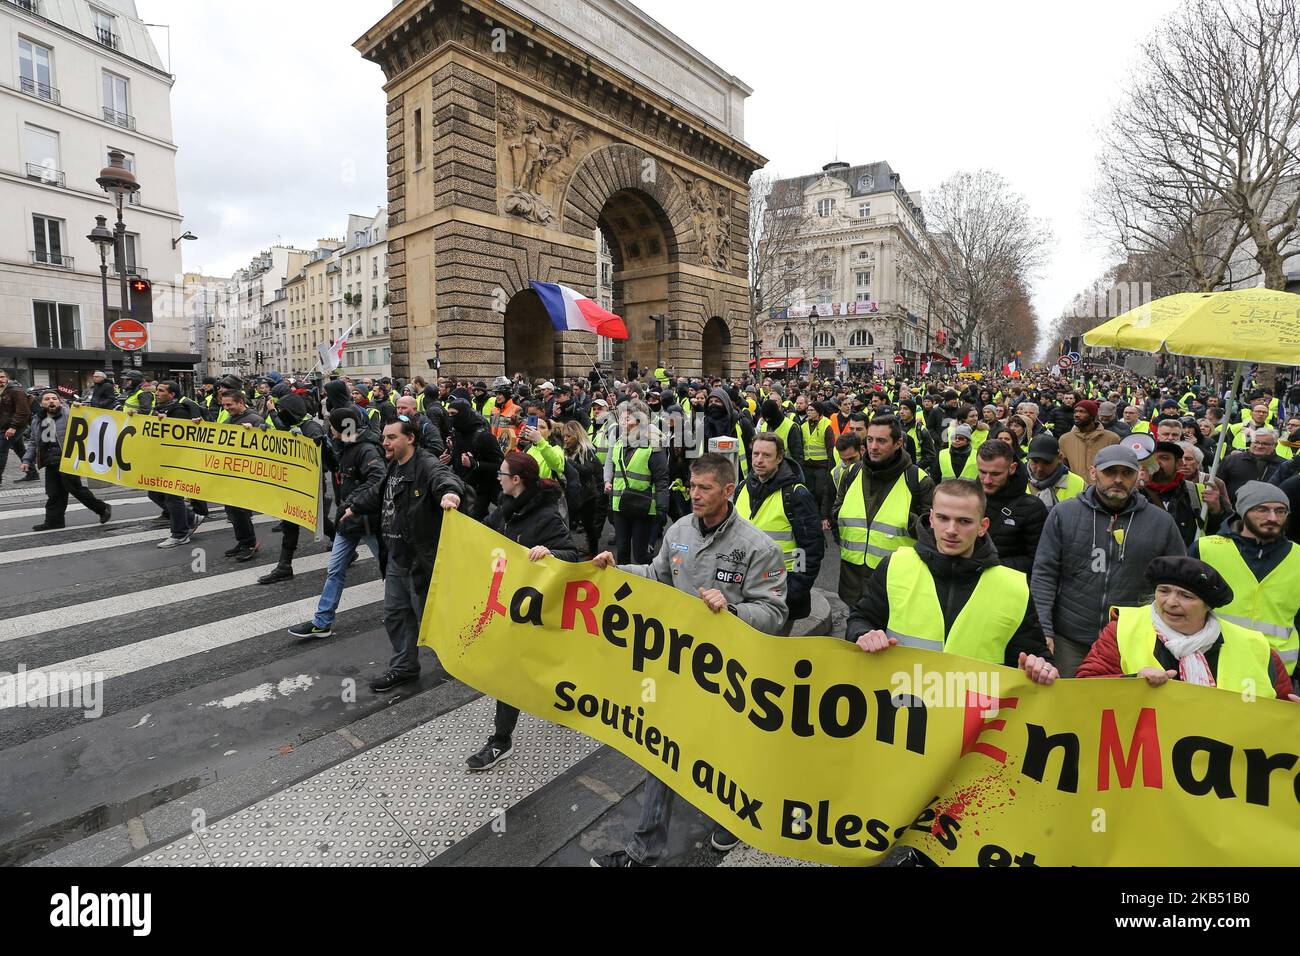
(405, 592)
(335, 576)
(650, 840)
(177, 510)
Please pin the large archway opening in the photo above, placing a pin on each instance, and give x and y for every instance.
(529, 337)
(715, 346)
(642, 247)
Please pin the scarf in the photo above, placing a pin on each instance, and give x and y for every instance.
(1189, 648)
(1047, 482)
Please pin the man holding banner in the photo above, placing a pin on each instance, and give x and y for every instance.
(717, 555)
(235, 404)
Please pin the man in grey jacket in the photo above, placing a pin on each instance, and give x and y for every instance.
(1093, 556)
(49, 428)
(718, 556)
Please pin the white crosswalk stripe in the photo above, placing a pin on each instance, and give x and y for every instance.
(116, 541)
(73, 505)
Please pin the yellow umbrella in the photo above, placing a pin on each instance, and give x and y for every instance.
(1241, 325)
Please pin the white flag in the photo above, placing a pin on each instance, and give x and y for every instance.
(331, 357)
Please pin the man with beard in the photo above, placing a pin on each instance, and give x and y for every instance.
(49, 426)
(1169, 488)
(1261, 566)
(878, 510)
(1050, 480)
(1015, 518)
(1080, 445)
(473, 455)
(1093, 555)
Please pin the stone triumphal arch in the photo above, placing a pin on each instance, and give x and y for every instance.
(519, 133)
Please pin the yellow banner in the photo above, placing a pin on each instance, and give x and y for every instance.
(271, 472)
(811, 748)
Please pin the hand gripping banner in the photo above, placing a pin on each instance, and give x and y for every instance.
(812, 748)
(268, 471)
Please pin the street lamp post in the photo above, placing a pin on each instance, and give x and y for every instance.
(812, 321)
(103, 238)
(787, 348)
(119, 182)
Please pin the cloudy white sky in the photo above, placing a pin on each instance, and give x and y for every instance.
(280, 122)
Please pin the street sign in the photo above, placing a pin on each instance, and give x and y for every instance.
(1064, 362)
(898, 360)
(1075, 358)
(128, 335)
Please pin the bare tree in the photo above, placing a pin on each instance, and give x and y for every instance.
(1200, 158)
(988, 239)
(780, 258)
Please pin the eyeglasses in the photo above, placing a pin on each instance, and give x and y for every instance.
(504, 474)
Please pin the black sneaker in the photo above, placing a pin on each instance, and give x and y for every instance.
(47, 527)
(308, 629)
(278, 573)
(31, 476)
(392, 679)
(245, 553)
(489, 756)
(234, 551)
(723, 841)
(107, 514)
(618, 858)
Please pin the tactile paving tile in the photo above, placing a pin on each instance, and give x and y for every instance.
(398, 804)
(748, 856)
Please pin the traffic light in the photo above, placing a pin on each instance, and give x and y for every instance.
(141, 299)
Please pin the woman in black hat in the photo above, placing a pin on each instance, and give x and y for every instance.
(1179, 637)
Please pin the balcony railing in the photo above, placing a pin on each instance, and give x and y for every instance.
(44, 174)
(53, 259)
(39, 90)
(124, 120)
(133, 270)
(31, 6)
(108, 38)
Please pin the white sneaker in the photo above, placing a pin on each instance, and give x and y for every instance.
(174, 542)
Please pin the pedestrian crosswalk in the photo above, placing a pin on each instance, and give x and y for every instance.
(196, 682)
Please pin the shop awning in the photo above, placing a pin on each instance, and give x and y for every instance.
(776, 363)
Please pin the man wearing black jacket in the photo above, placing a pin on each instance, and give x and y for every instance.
(169, 403)
(289, 414)
(474, 455)
(246, 546)
(15, 414)
(430, 435)
(1016, 518)
(416, 490)
(955, 557)
(103, 395)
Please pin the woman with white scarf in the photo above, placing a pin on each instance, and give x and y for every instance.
(1179, 637)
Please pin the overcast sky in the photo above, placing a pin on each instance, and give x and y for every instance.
(280, 123)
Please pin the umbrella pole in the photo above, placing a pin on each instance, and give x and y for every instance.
(1229, 418)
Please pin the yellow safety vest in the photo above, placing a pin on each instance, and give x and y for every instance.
(133, 401)
(742, 460)
(1142, 427)
(782, 432)
(1267, 606)
(223, 416)
(771, 520)
(1074, 485)
(632, 475)
(814, 440)
(600, 438)
(1243, 655)
(543, 467)
(419, 402)
(970, 470)
(864, 541)
(983, 628)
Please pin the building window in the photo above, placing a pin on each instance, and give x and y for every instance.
(105, 28)
(41, 153)
(129, 243)
(58, 326)
(35, 70)
(824, 284)
(863, 279)
(860, 339)
(824, 341)
(825, 207)
(419, 137)
(864, 296)
(117, 102)
(864, 255)
(788, 341)
(370, 356)
(388, 356)
(605, 348)
(864, 210)
(48, 236)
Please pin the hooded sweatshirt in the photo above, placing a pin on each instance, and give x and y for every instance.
(719, 426)
(955, 579)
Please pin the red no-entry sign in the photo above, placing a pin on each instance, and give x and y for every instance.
(128, 335)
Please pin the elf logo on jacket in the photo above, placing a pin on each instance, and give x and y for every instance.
(98, 443)
(729, 577)
(77, 909)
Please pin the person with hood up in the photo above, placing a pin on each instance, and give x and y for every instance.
(289, 414)
(473, 455)
(359, 465)
(49, 427)
(1093, 555)
(1016, 518)
(775, 500)
(772, 419)
(529, 516)
(722, 420)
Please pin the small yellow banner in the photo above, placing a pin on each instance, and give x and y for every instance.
(811, 748)
(267, 471)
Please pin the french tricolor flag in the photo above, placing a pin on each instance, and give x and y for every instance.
(571, 311)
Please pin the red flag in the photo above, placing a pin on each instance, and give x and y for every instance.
(965, 360)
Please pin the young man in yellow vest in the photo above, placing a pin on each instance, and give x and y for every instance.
(950, 594)
(879, 506)
(776, 502)
(818, 453)
(1261, 566)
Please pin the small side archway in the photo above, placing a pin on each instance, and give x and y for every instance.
(715, 347)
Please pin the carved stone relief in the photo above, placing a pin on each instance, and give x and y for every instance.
(543, 148)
